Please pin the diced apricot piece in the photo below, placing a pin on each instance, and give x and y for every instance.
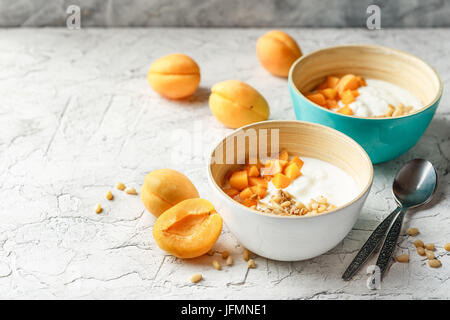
(347, 97)
(189, 229)
(330, 93)
(355, 93)
(280, 181)
(255, 181)
(239, 180)
(253, 171)
(332, 82)
(259, 190)
(322, 86)
(299, 162)
(246, 193)
(249, 202)
(292, 171)
(331, 104)
(274, 166)
(317, 98)
(346, 110)
(347, 82)
(361, 81)
(231, 192)
(284, 155)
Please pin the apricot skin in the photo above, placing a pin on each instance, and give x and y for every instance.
(175, 76)
(164, 188)
(277, 51)
(188, 229)
(235, 104)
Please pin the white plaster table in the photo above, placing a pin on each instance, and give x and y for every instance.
(77, 115)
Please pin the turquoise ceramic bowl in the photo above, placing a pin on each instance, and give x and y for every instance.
(382, 138)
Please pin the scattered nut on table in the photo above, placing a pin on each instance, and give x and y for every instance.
(434, 263)
(196, 278)
(216, 265)
(403, 258)
(120, 186)
(131, 191)
(413, 232)
(98, 208)
(109, 195)
(419, 243)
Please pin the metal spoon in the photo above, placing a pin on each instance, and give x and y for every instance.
(414, 185)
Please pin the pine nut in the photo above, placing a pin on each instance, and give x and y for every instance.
(131, 191)
(321, 208)
(285, 204)
(196, 278)
(420, 251)
(120, 186)
(109, 195)
(277, 199)
(447, 246)
(419, 243)
(430, 255)
(300, 205)
(413, 232)
(322, 200)
(98, 208)
(403, 258)
(229, 261)
(216, 265)
(251, 264)
(430, 246)
(434, 263)
(246, 255)
(225, 254)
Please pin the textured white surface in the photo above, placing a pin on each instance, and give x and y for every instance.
(77, 115)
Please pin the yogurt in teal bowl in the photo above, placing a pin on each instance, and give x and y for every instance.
(383, 138)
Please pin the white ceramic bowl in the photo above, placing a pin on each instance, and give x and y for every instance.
(292, 238)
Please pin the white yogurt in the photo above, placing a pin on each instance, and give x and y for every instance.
(373, 99)
(319, 178)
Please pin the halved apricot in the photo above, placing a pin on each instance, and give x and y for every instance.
(280, 181)
(239, 180)
(188, 229)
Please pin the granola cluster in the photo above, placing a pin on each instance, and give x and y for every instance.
(284, 204)
(398, 111)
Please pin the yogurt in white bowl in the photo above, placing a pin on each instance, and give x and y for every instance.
(293, 238)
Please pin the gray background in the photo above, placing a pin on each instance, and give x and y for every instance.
(225, 13)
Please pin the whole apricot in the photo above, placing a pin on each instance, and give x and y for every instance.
(188, 229)
(277, 51)
(235, 104)
(174, 76)
(164, 188)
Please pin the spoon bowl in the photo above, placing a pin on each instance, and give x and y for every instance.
(415, 183)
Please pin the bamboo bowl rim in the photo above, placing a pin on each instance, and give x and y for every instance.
(362, 152)
(375, 47)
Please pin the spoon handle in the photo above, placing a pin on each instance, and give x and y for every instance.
(390, 242)
(369, 246)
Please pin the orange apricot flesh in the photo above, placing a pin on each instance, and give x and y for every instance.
(188, 229)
